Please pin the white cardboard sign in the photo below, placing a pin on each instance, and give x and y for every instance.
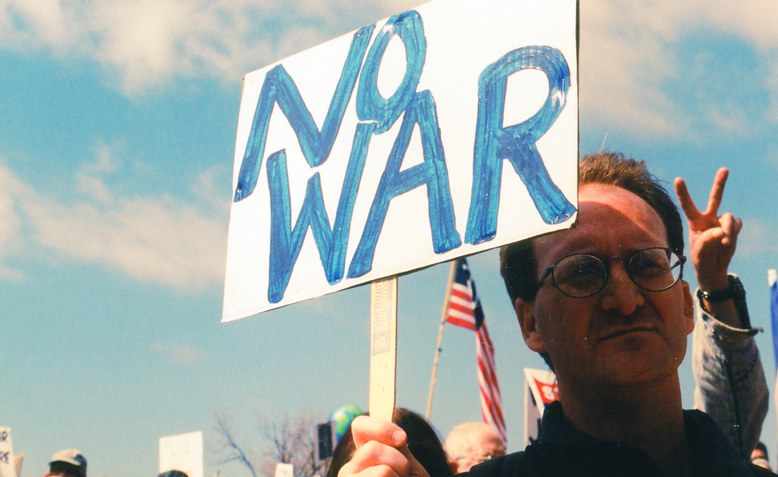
(439, 132)
(284, 470)
(540, 389)
(18, 462)
(7, 461)
(182, 452)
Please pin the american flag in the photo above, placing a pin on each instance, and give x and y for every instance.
(464, 309)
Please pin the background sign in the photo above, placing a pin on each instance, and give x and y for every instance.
(7, 461)
(439, 132)
(284, 470)
(325, 440)
(182, 452)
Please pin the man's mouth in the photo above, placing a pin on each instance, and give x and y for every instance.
(627, 331)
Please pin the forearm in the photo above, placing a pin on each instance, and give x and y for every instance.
(730, 383)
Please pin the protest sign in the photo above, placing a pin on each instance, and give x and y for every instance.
(540, 389)
(18, 461)
(7, 461)
(284, 470)
(324, 438)
(182, 452)
(440, 132)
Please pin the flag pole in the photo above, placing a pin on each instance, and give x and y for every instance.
(439, 340)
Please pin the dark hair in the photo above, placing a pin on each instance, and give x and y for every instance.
(66, 469)
(173, 473)
(423, 442)
(518, 265)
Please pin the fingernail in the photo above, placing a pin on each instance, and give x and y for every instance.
(398, 437)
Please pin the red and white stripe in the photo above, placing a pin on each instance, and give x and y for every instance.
(491, 399)
(461, 306)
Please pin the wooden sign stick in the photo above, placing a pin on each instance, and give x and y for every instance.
(383, 348)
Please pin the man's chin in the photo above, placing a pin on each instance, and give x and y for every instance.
(640, 372)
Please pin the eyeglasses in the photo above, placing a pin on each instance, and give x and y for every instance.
(581, 275)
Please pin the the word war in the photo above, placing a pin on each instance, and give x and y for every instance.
(494, 143)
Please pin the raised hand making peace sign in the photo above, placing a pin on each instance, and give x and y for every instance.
(712, 237)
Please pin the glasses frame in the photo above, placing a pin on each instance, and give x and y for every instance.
(606, 262)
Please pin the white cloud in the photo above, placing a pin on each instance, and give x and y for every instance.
(154, 239)
(11, 242)
(179, 353)
(55, 25)
(212, 187)
(628, 55)
(758, 237)
(731, 121)
(147, 43)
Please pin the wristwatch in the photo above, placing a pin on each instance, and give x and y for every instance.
(734, 291)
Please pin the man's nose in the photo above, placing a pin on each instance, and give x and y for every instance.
(621, 294)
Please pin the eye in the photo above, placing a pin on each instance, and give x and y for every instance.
(650, 262)
(578, 270)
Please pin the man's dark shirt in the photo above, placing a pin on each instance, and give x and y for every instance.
(561, 450)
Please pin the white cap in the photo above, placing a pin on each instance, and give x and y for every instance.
(772, 277)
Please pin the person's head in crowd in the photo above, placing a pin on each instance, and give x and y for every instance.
(173, 473)
(471, 443)
(423, 442)
(601, 174)
(760, 457)
(67, 463)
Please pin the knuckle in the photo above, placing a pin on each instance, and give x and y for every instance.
(372, 448)
(384, 470)
(347, 470)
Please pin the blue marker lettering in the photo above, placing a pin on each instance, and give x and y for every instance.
(285, 242)
(280, 88)
(371, 106)
(432, 173)
(495, 142)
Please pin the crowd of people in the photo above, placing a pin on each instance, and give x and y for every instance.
(605, 304)
(72, 463)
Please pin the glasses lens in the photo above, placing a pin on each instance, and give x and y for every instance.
(654, 269)
(580, 275)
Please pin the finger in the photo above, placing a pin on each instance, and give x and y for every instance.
(366, 428)
(350, 470)
(717, 191)
(375, 454)
(687, 204)
(711, 236)
(379, 471)
(728, 226)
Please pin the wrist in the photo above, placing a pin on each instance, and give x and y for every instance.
(727, 304)
(708, 283)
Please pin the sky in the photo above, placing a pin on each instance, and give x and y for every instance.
(117, 130)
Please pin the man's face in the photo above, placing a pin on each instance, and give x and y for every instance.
(622, 334)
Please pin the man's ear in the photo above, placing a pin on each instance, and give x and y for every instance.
(526, 315)
(688, 307)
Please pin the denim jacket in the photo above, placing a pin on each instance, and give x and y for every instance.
(730, 384)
